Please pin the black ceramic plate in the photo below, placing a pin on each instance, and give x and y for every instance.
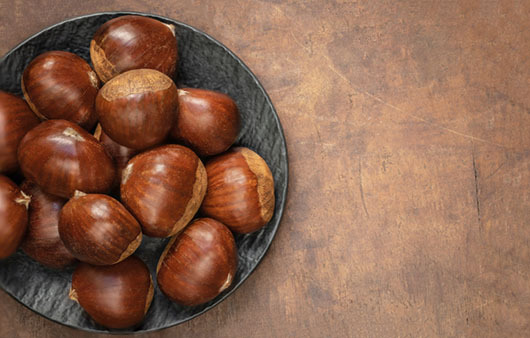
(204, 63)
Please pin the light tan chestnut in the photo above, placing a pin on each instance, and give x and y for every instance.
(97, 229)
(163, 188)
(240, 190)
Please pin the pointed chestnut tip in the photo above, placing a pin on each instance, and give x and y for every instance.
(73, 295)
(78, 193)
(171, 28)
(24, 199)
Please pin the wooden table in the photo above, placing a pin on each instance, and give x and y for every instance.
(408, 127)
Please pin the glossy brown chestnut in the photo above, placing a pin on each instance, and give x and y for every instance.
(133, 42)
(98, 230)
(61, 85)
(198, 264)
(240, 190)
(16, 119)
(163, 188)
(119, 154)
(207, 121)
(62, 157)
(116, 296)
(42, 241)
(137, 108)
(13, 216)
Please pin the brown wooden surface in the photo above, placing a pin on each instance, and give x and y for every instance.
(408, 126)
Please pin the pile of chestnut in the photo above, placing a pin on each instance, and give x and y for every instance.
(108, 155)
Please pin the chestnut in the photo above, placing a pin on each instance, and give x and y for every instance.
(61, 157)
(133, 42)
(13, 216)
(240, 190)
(98, 230)
(16, 119)
(116, 296)
(163, 188)
(207, 121)
(198, 264)
(137, 108)
(42, 241)
(61, 85)
(120, 154)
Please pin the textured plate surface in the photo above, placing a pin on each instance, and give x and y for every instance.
(204, 63)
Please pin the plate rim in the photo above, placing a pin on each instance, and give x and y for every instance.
(284, 165)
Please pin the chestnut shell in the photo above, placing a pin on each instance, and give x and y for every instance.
(163, 188)
(61, 157)
(208, 121)
(97, 229)
(133, 42)
(42, 241)
(198, 264)
(116, 296)
(61, 85)
(16, 119)
(137, 108)
(13, 216)
(240, 190)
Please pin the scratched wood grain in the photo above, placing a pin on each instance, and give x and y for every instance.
(408, 127)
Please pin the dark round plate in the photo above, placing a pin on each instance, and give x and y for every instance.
(204, 63)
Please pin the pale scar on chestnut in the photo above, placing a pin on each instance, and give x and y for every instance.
(131, 248)
(93, 79)
(138, 81)
(150, 294)
(171, 28)
(199, 190)
(29, 102)
(97, 132)
(102, 65)
(126, 173)
(182, 92)
(264, 176)
(164, 253)
(227, 283)
(70, 132)
(73, 295)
